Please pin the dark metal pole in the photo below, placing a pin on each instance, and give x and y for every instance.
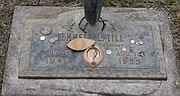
(92, 9)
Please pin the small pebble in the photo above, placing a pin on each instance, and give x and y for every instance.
(42, 38)
(108, 52)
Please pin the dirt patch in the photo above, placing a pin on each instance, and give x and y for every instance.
(172, 7)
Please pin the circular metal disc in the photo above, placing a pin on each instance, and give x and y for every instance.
(52, 40)
(132, 41)
(124, 49)
(46, 30)
(108, 52)
(141, 42)
(42, 38)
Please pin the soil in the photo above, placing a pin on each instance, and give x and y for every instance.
(172, 7)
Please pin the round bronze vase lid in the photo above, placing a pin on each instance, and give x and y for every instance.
(93, 56)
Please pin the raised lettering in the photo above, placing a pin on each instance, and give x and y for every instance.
(116, 37)
(55, 60)
(131, 61)
(74, 36)
(99, 38)
(121, 38)
(52, 60)
(63, 37)
(124, 61)
(80, 35)
(138, 61)
(108, 37)
(68, 37)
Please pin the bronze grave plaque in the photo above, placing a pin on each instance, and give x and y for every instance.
(132, 49)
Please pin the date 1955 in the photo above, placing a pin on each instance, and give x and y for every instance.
(129, 61)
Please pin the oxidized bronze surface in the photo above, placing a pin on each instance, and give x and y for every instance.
(132, 49)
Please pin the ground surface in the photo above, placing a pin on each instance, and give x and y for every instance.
(172, 7)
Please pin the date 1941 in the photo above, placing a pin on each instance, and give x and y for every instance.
(55, 60)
